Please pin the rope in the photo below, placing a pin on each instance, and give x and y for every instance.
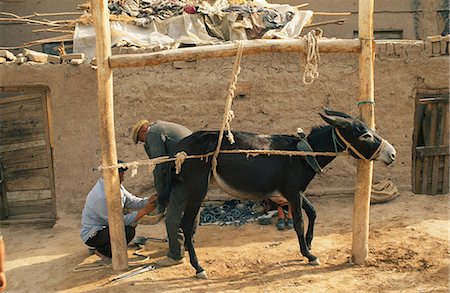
(181, 157)
(228, 114)
(365, 102)
(312, 56)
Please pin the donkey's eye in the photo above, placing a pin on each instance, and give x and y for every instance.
(367, 135)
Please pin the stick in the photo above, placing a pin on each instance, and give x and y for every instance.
(339, 21)
(251, 47)
(332, 13)
(9, 19)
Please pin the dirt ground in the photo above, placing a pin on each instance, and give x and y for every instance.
(408, 243)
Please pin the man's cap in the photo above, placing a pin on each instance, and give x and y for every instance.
(135, 129)
(122, 169)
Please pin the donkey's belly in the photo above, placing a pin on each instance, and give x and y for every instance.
(242, 193)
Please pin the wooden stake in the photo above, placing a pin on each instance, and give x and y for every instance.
(365, 169)
(100, 13)
(251, 47)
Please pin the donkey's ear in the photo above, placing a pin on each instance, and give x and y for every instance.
(336, 121)
(336, 113)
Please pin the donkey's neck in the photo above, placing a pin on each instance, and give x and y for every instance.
(321, 140)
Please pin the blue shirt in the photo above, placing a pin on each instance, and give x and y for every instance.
(95, 213)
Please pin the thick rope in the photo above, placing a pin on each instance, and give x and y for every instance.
(312, 56)
(181, 157)
(228, 114)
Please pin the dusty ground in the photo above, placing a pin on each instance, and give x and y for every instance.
(409, 252)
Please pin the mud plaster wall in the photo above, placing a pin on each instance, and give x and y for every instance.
(192, 93)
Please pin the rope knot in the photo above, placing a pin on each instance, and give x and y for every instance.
(180, 157)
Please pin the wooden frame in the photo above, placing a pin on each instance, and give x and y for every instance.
(29, 92)
(105, 63)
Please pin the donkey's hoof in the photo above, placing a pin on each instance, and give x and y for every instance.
(315, 262)
(202, 275)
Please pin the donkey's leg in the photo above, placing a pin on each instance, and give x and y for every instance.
(196, 185)
(311, 213)
(296, 200)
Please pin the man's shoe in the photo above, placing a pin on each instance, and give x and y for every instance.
(167, 262)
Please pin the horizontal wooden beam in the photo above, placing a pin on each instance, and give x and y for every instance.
(251, 47)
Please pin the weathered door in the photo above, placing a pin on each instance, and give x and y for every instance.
(431, 143)
(26, 156)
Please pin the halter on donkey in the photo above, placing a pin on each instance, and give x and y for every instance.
(260, 177)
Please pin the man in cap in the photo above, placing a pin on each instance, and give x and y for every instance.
(94, 221)
(160, 139)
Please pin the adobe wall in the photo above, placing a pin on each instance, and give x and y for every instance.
(274, 100)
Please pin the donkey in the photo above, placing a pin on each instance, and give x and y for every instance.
(259, 177)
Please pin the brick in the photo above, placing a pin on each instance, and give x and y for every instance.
(54, 59)
(8, 55)
(444, 48)
(35, 56)
(67, 57)
(76, 61)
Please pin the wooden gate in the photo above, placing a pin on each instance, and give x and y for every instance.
(27, 187)
(431, 143)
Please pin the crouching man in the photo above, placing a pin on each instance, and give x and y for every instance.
(94, 222)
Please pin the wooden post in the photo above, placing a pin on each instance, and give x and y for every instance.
(364, 177)
(100, 13)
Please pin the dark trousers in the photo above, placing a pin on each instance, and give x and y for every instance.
(102, 243)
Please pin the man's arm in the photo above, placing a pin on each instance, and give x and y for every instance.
(2, 265)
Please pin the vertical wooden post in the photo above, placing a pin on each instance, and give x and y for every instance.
(100, 13)
(365, 169)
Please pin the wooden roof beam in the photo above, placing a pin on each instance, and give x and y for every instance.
(251, 47)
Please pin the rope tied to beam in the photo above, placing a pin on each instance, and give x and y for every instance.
(228, 114)
(312, 56)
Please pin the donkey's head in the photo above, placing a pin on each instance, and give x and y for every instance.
(355, 136)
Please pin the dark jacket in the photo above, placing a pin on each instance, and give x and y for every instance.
(161, 140)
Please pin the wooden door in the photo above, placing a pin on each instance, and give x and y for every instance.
(431, 143)
(26, 156)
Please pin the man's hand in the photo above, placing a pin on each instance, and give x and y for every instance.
(153, 198)
(151, 205)
(2, 281)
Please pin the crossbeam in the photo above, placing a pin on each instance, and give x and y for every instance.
(250, 47)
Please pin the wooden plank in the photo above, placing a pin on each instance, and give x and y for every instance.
(426, 125)
(31, 112)
(32, 165)
(251, 47)
(38, 215)
(100, 14)
(4, 208)
(27, 135)
(9, 158)
(434, 137)
(446, 175)
(432, 151)
(12, 127)
(30, 203)
(29, 195)
(13, 110)
(27, 180)
(19, 98)
(361, 206)
(46, 106)
(417, 161)
(21, 146)
(31, 207)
